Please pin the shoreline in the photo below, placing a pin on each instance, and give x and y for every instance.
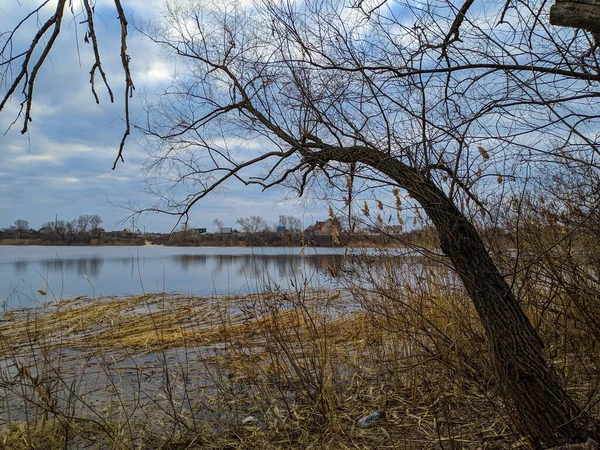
(216, 366)
(267, 369)
(359, 245)
(263, 239)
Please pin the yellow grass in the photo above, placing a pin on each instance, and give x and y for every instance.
(303, 366)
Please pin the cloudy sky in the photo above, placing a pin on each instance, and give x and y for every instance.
(62, 167)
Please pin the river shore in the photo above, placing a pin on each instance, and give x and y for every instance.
(270, 370)
(421, 237)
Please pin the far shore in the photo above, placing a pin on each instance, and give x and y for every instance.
(226, 243)
(45, 244)
(38, 242)
(424, 237)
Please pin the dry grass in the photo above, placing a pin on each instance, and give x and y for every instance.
(19, 241)
(276, 370)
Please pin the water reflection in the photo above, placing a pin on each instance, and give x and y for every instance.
(89, 266)
(187, 262)
(97, 271)
(283, 266)
(21, 266)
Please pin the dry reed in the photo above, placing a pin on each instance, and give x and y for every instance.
(275, 370)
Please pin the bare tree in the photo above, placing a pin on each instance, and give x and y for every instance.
(48, 225)
(72, 228)
(291, 223)
(21, 225)
(83, 223)
(295, 224)
(20, 65)
(61, 228)
(95, 222)
(219, 224)
(252, 224)
(448, 105)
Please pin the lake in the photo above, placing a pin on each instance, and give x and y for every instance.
(65, 271)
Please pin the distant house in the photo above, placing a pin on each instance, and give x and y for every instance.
(46, 230)
(390, 230)
(324, 228)
(226, 230)
(126, 233)
(199, 230)
(394, 230)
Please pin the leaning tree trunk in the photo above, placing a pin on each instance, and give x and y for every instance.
(541, 407)
(533, 392)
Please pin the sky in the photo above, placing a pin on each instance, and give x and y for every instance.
(62, 167)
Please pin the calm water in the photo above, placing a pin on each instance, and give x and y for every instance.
(62, 271)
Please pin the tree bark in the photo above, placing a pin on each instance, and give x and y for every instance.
(583, 14)
(540, 406)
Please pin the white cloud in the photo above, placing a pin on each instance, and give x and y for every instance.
(32, 159)
(64, 165)
(155, 71)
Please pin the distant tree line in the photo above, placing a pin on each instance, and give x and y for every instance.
(82, 229)
(257, 224)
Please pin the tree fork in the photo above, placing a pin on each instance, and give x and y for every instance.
(541, 407)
